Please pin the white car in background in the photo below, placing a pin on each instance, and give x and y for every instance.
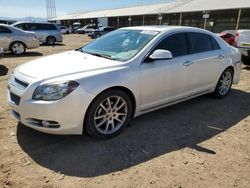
(100, 87)
(64, 30)
(242, 41)
(16, 40)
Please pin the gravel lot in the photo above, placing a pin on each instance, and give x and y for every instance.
(199, 143)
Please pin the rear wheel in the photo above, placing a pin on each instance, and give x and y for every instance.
(108, 114)
(224, 84)
(245, 60)
(18, 48)
(51, 40)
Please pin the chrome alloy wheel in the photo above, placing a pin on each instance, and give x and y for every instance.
(110, 115)
(18, 48)
(225, 83)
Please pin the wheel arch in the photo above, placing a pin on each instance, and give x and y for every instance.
(121, 88)
(14, 41)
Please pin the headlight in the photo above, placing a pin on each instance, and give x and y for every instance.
(54, 91)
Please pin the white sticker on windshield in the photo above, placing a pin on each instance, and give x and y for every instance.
(149, 32)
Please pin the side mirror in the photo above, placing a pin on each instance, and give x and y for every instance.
(160, 55)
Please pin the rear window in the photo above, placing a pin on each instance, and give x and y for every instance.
(200, 42)
(4, 30)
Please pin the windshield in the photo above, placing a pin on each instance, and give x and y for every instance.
(120, 45)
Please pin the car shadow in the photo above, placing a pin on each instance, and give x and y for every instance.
(154, 134)
(246, 68)
(3, 70)
(26, 54)
(57, 44)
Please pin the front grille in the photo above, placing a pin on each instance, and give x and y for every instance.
(24, 84)
(14, 98)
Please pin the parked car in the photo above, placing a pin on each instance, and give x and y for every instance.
(242, 41)
(86, 29)
(64, 30)
(228, 37)
(46, 32)
(101, 86)
(16, 40)
(101, 31)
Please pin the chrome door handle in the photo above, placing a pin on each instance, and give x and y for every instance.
(187, 63)
(220, 57)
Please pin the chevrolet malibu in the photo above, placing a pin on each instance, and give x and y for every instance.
(101, 86)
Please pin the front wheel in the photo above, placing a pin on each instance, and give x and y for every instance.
(224, 84)
(108, 114)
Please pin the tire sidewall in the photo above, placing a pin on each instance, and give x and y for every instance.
(217, 91)
(24, 46)
(89, 117)
(52, 39)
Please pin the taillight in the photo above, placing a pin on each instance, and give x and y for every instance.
(236, 38)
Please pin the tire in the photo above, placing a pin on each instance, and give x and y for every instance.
(51, 40)
(108, 114)
(67, 32)
(224, 84)
(245, 60)
(18, 48)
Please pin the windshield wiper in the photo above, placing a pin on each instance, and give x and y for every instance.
(100, 55)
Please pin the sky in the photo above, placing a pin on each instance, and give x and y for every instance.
(37, 8)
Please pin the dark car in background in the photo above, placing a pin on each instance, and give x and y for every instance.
(228, 36)
(101, 31)
(46, 32)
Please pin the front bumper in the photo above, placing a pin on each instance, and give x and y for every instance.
(68, 112)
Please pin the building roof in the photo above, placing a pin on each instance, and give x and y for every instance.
(160, 8)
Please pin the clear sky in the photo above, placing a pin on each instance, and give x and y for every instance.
(37, 8)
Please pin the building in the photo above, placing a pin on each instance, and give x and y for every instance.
(213, 15)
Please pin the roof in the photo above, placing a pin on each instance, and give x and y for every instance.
(160, 8)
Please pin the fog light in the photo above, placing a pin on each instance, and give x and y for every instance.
(45, 123)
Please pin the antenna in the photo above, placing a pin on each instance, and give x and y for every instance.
(51, 9)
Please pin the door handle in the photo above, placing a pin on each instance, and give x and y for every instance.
(220, 57)
(187, 63)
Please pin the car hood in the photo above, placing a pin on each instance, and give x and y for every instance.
(66, 63)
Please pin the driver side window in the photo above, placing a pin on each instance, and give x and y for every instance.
(176, 44)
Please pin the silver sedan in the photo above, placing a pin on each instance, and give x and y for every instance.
(100, 87)
(16, 40)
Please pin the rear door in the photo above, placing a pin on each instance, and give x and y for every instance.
(204, 68)
(5, 37)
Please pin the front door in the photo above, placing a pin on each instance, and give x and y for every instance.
(164, 81)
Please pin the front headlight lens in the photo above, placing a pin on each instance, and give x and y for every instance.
(54, 91)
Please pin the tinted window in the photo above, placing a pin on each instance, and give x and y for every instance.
(176, 44)
(36, 26)
(21, 26)
(5, 30)
(200, 42)
(33, 26)
(109, 29)
(51, 27)
(215, 44)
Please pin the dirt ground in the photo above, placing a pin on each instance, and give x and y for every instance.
(204, 142)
